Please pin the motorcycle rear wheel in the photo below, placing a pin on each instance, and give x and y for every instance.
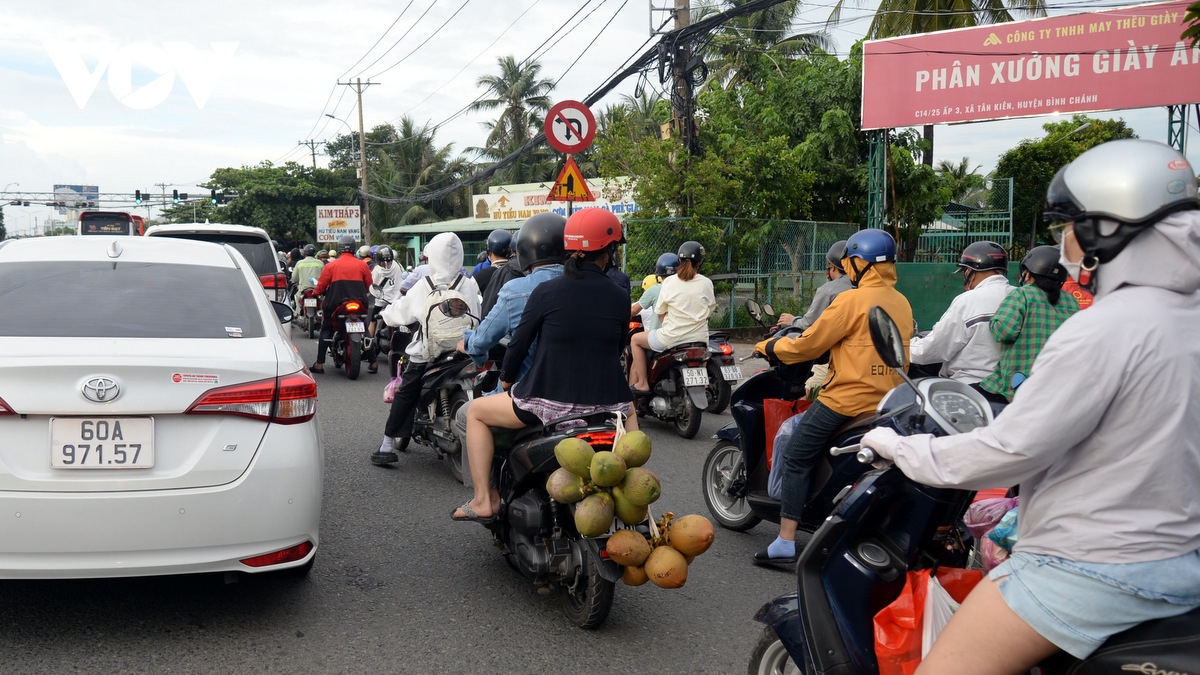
(589, 605)
(312, 326)
(770, 657)
(687, 416)
(455, 459)
(719, 390)
(353, 359)
(722, 467)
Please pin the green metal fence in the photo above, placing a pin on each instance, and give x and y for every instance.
(983, 215)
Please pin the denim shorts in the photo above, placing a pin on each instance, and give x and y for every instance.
(656, 345)
(1079, 605)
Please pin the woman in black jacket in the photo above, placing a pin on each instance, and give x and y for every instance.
(579, 322)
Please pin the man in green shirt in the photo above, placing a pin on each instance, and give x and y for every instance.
(1027, 317)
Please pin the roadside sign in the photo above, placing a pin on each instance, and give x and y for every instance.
(570, 127)
(570, 186)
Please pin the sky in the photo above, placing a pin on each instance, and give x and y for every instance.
(130, 94)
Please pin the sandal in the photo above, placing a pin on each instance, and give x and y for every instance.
(471, 515)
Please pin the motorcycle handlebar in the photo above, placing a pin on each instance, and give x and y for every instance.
(849, 449)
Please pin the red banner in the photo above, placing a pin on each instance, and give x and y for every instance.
(1114, 59)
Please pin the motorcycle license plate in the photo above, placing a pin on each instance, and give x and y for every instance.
(731, 373)
(310, 302)
(695, 377)
(355, 327)
(102, 443)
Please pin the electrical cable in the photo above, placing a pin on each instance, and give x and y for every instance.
(418, 47)
(589, 45)
(535, 55)
(399, 39)
(389, 29)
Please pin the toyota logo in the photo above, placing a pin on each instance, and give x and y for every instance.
(101, 389)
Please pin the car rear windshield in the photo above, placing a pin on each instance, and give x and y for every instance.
(258, 251)
(126, 299)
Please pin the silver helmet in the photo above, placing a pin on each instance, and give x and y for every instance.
(1117, 189)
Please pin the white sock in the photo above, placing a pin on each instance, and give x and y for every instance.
(386, 446)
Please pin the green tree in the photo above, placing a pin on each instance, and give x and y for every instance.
(1033, 163)
(3, 231)
(966, 185)
(280, 199)
(1191, 19)
(523, 100)
(412, 164)
(740, 47)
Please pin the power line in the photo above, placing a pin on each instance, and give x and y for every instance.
(535, 55)
(589, 46)
(431, 36)
(389, 29)
(399, 39)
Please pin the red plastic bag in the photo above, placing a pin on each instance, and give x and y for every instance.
(898, 626)
(776, 411)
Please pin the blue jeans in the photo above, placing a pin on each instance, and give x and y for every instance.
(803, 453)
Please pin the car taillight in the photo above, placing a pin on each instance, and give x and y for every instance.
(291, 399)
(278, 280)
(4, 409)
(353, 306)
(297, 552)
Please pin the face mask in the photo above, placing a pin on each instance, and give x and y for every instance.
(1073, 268)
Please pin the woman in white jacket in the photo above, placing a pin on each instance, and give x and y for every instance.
(445, 253)
(1104, 436)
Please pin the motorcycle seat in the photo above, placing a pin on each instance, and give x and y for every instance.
(684, 345)
(1171, 645)
(860, 424)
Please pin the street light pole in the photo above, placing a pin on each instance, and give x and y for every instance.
(362, 169)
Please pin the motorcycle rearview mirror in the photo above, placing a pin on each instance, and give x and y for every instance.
(889, 344)
(768, 310)
(456, 307)
(754, 310)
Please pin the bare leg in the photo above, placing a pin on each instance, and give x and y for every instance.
(787, 528)
(631, 423)
(490, 411)
(639, 344)
(985, 637)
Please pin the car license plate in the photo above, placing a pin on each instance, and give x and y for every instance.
(355, 327)
(102, 442)
(731, 373)
(695, 377)
(310, 302)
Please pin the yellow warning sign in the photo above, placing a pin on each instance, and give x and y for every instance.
(570, 186)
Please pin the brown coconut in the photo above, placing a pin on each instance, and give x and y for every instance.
(628, 547)
(666, 568)
(691, 534)
(634, 576)
(564, 487)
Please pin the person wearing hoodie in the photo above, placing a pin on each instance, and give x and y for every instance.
(1103, 437)
(857, 380)
(445, 253)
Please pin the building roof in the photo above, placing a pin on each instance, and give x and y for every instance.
(456, 225)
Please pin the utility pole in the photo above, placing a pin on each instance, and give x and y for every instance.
(682, 104)
(312, 145)
(358, 85)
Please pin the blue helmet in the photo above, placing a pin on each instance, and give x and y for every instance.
(871, 245)
(666, 265)
(499, 242)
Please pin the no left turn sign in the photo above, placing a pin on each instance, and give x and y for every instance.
(570, 127)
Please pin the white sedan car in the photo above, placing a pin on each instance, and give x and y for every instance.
(155, 417)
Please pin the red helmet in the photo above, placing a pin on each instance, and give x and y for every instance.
(591, 230)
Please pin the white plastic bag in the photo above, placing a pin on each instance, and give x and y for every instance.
(782, 437)
(939, 607)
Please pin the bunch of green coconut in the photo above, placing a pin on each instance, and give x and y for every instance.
(615, 483)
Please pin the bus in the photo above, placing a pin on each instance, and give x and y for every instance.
(106, 222)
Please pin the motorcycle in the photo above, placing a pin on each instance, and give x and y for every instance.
(736, 471)
(679, 384)
(446, 388)
(723, 371)
(887, 525)
(536, 534)
(349, 327)
(310, 312)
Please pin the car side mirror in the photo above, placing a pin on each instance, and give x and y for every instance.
(283, 311)
(886, 337)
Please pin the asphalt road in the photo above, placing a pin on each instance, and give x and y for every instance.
(400, 588)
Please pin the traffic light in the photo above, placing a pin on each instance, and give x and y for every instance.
(212, 199)
(137, 196)
(174, 196)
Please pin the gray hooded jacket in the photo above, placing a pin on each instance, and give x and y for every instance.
(445, 253)
(1104, 436)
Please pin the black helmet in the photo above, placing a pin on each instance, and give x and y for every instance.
(836, 253)
(499, 242)
(984, 255)
(692, 250)
(384, 254)
(666, 264)
(1042, 261)
(346, 243)
(540, 240)
(309, 250)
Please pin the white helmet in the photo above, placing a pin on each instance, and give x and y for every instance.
(1117, 189)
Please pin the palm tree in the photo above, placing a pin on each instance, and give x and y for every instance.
(739, 44)
(967, 187)
(411, 164)
(909, 17)
(523, 100)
